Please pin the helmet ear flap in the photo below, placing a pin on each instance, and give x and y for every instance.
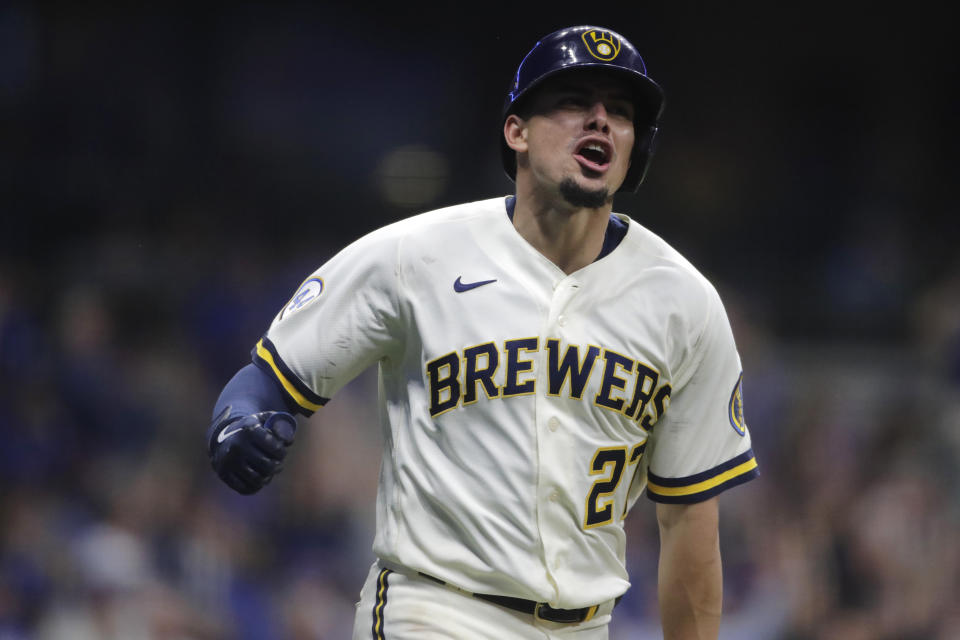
(643, 148)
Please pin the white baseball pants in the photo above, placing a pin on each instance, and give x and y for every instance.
(401, 605)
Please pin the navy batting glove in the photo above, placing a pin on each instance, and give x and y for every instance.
(247, 451)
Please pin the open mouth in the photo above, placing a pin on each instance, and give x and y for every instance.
(594, 154)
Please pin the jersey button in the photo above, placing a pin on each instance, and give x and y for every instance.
(554, 496)
(562, 320)
(553, 423)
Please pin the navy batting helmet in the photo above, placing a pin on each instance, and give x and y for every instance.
(584, 48)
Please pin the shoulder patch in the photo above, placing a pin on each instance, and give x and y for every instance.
(736, 407)
(309, 291)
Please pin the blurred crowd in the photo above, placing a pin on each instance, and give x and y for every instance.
(167, 181)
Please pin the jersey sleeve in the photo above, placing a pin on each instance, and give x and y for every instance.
(701, 445)
(343, 318)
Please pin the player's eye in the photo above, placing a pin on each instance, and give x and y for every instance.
(622, 109)
(571, 100)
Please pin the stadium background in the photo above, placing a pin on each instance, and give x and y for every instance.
(168, 177)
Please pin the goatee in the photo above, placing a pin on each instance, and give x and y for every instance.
(580, 197)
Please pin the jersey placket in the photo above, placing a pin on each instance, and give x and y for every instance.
(552, 511)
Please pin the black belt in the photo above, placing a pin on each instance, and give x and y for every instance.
(540, 610)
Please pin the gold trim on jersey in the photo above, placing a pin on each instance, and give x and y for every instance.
(705, 485)
(300, 399)
(380, 603)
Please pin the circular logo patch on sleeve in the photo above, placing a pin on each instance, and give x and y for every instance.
(309, 291)
(736, 408)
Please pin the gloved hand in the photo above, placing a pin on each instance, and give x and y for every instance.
(247, 451)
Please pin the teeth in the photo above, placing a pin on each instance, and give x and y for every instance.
(595, 148)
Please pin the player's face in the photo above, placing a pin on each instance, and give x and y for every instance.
(579, 135)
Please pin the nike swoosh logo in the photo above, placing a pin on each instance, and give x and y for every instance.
(460, 287)
(226, 434)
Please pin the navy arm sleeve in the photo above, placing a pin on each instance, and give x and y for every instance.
(252, 391)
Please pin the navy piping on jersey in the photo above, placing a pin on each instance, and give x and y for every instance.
(379, 603)
(616, 229)
(267, 358)
(705, 484)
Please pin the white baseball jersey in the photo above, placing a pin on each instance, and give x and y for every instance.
(524, 409)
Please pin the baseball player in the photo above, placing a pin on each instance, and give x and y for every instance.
(542, 361)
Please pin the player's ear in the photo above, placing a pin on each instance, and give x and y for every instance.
(515, 133)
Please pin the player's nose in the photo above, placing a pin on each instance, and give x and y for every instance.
(597, 117)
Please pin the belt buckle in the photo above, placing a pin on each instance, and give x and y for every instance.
(536, 612)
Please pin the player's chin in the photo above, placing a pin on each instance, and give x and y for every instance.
(583, 194)
(598, 180)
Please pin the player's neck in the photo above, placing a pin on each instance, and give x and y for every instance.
(571, 238)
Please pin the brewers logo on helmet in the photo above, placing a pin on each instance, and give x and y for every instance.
(602, 45)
